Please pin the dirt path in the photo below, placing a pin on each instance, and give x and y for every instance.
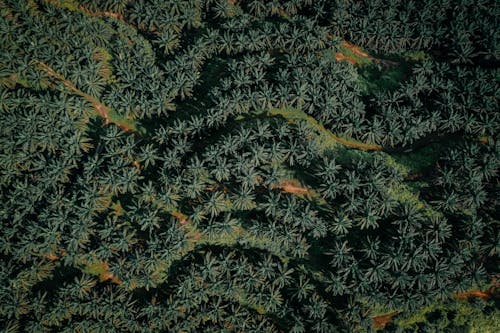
(356, 56)
(293, 187)
(101, 109)
(351, 53)
(117, 16)
(293, 115)
(356, 144)
(493, 292)
(382, 320)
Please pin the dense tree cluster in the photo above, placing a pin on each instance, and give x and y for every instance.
(461, 31)
(243, 166)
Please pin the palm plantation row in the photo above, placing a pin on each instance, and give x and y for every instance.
(208, 166)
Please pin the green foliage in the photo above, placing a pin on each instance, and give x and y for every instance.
(451, 316)
(425, 158)
(376, 77)
(217, 166)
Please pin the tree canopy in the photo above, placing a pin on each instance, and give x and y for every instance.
(249, 166)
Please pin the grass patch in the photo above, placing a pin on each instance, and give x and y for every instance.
(325, 138)
(71, 5)
(422, 159)
(375, 77)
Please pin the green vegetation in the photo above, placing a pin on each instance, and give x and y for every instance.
(326, 139)
(424, 158)
(249, 166)
(377, 77)
(451, 316)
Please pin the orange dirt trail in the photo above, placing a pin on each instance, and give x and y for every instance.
(294, 187)
(356, 50)
(473, 293)
(383, 320)
(117, 16)
(101, 109)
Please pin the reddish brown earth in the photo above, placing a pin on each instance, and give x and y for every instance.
(51, 256)
(356, 50)
(383, 320)
(293, 186)
(107, 275)
(183, 219)
(359, 53)
(118, 209)
(101, 14)
(491, 292)
(473, 293)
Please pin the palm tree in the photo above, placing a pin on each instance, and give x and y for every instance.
(222, 170)
(194, 186)
(244, 200)
(328, 169)
(250, 177)
(168, 41)
(271, 205)
(148, 155)
(303, 289)
(371, 248)
(216, 203)
(257, 8)
(341, 225)
(341, 257)
(369, 220)
(127, 181)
